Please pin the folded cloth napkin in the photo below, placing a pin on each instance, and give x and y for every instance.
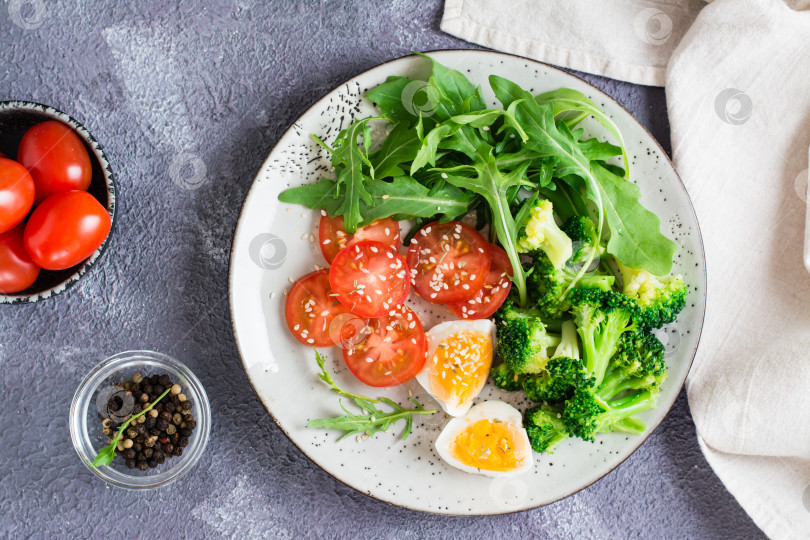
(738, 93)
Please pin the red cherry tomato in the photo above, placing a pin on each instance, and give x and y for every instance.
(17, 270)
(16, 194)
(332, 236)
(66, 229)
(490, 297)
(390, 350)
(56, 158)
(370, 278)
(449, 262)
(311, 311)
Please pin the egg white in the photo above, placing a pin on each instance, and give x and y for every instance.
(438, 334)
(487, 410)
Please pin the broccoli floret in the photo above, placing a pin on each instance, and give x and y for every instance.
(564, 371)
(660, 299)
(523, 340)
(601, 318)
(543, 234)
(582, 232)
(504, 378)
(586, 413)
(548, 285)
(638, 364)
(545, 428)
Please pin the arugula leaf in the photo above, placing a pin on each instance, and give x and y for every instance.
(566, 100)
(372, 420)
(348, 160)
(399, 147)
(388, 97)
(322, 195)
(596, 150)
(405, 198)
(635, 238)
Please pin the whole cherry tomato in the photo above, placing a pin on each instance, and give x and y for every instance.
(56, 158)
(17, 270)
(16, 194)
(66, 229)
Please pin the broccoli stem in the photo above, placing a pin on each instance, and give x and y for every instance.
(620, 409)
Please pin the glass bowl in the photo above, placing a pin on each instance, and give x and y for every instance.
(92, 395)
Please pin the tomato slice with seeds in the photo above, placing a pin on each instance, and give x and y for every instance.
(370, 278)
(311, 309)
(332, 236)
(489, 297)
(389, 351)
(449, 262)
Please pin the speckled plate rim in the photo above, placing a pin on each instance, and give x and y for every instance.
(109, 181)
(641, 439)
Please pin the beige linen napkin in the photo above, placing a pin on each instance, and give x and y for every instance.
(738, 92)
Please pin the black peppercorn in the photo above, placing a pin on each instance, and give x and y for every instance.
(161, 459)
(129, 453)
(168, 448)
(157, 454)
(136, 408)
(148, 453)
(174, 438)
(143, 466)
(131, 464)
(185, 432)
(183, 442)
(162, 424)
(166, 415)
(150, 422)
(154, 432)
(137, 447)
(178, 451)
(158, 389)
(191, 424)
(164, 380)
(154, 379)
(187, 405)
(152, 463)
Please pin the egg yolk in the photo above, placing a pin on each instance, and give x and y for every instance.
(491, 445)
(459, 367)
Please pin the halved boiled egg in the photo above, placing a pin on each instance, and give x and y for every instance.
(458, 361)
(489, 440)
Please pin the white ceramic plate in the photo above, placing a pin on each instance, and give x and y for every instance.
(272, 245)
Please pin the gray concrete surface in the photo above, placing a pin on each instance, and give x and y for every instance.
(160, 84)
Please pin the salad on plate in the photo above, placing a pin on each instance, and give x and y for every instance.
(530, 235)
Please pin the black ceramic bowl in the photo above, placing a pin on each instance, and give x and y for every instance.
(15, 119)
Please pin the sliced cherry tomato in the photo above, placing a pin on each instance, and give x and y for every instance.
(16, 194)
(370, 278)
(489, 297)
(17, 270)
(448, 261)
(389, 351)
(311, 311)
(332, 236)
(56, 158)
(66, 229)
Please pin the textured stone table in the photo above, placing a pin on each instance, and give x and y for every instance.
(212, 85)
